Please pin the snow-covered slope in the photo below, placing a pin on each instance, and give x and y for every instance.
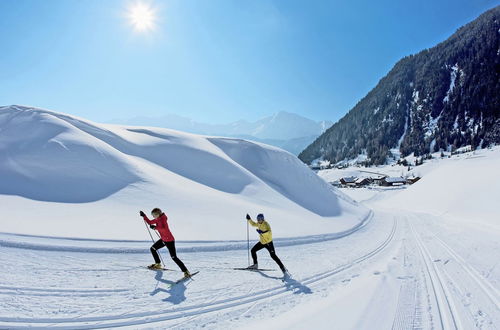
(464, 187)
(66, 176)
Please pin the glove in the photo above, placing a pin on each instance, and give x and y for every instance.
(248, 217)
(152, 226)
(260, 231)
(142, 214)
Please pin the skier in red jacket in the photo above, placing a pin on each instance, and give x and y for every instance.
(166, 239)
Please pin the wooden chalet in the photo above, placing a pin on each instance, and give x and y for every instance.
(393, 181)
(361, 182)
(349, 181)
(412, 180)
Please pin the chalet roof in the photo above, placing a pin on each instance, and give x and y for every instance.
(360, 180)
(395, 179)
(349, 179)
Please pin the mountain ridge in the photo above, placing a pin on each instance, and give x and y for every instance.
(285, 130)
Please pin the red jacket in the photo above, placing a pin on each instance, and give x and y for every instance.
(162, 227)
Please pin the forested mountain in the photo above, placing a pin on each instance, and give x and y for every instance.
(441, 98)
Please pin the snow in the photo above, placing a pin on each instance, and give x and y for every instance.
(464, 186)
(97, 177)
(453, 77)
(420, 257)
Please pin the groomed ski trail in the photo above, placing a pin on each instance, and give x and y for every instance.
(210, 305)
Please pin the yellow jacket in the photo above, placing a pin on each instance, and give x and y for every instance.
(267, 234)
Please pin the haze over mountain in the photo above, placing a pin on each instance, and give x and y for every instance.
(445, 97)
(286, 130)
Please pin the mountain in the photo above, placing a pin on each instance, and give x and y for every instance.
(284, 130)
(66, 176)
(441, 98)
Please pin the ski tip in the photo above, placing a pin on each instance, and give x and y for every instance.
(185, 278)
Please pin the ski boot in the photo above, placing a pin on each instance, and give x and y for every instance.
(155, 266)
(187, 274)
(254, 266)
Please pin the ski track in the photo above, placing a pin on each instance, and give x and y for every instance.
(462, 295)
(39, 243)
(445, 309)
(212, 305)
(438, 288)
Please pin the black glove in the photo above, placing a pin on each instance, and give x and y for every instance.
(152, 226)
(248, 217)
(260, 231)
(142, 214)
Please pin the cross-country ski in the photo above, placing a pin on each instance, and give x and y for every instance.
(256, 269)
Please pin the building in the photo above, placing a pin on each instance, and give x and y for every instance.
(393, 181)
(378, 179)
(412, 180)
(360, 182)
(349, 181)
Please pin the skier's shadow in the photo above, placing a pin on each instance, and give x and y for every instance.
(176, 291)
(291, 285)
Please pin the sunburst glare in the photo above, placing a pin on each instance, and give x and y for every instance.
(142, 16)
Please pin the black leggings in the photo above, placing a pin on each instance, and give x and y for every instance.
(270, 247)
(171, 249)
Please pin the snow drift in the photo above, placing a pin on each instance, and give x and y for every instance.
(66, 176)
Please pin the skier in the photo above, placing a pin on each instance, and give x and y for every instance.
(166, 239)
(265, 241)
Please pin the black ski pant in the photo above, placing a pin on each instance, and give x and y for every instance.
(270, 247)
(171, 249)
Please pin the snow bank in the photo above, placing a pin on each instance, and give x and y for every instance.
(68, 177)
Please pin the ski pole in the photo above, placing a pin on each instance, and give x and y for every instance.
(152, 239)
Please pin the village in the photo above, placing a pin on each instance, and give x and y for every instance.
(353, 176)
(397, 173)
(378, 180)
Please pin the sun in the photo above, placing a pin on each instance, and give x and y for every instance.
(142, 16)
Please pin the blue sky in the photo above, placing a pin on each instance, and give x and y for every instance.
(214, 61)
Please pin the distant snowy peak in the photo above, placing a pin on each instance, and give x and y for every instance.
(286, 126)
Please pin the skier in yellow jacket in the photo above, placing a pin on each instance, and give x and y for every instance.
(266, 241)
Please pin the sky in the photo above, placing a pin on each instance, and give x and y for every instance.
(213, 61)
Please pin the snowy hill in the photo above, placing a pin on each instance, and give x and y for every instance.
(285, 130)
(66, 176)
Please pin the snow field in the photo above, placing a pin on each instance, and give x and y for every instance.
(215, 288)
(396, 272)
